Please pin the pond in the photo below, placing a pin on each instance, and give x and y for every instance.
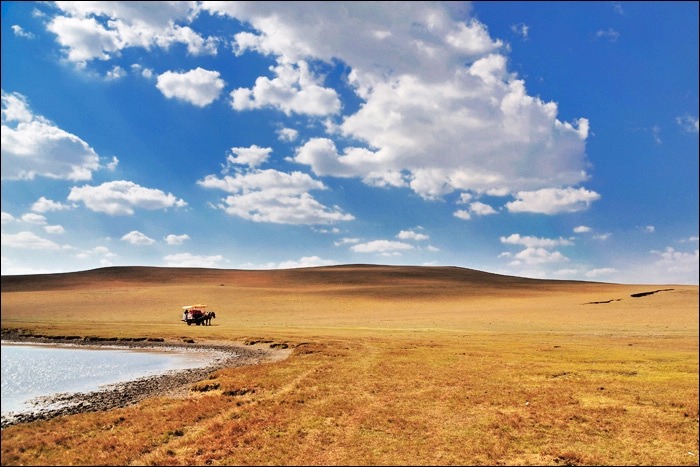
(30, 371)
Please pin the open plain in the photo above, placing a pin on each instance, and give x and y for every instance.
(388, 365)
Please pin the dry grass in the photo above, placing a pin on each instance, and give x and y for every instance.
(391, 366)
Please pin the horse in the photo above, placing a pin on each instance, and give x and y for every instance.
(208, 315)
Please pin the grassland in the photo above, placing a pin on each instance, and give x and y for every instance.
(391, 365)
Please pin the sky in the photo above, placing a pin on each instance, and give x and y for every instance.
(549, 139)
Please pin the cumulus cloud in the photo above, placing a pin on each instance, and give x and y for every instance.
(252, 156)
(553, 200)
(173, 239)
(346, 241)
(600, 272)
(273, 196)
(137, 238)
(19, 32)
(411, 235)
(521, 29)
(533, 242)
(306, 262)
(54, 229)
(533, 255)
(7, 217)
(293, 90)
(188, 260)
(440, 110)
(30, 241)
(688, 123)
(287, 134)
(381, 246)
(99, 30)
(33, 146)
(199, 87)
(120, 197)
(46, 205)
(582, 229)
(673, 261)
(33, 218)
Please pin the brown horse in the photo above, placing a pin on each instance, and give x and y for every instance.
(208, 315)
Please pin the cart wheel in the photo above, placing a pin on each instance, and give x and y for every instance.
(189, 324)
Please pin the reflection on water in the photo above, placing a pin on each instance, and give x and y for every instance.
(29, 371)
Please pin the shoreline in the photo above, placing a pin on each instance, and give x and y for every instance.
(174, 383)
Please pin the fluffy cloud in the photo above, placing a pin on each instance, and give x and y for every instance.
(553, 200)
(33, 146)
(137, 238)
(582, 229)
(19, 32)
(411, 235)
(32, 218)
(688, 123)
(380, 246)
(287, 134)
(173, 239)
(199, 87)
(306, 262)
(45, 205)
(294, 89)
(119, 198)
(7, 217)
(533, 242)
(532, 255)
(674, 261)
(274, 196)
(30, 241)
(98, 30)
(252, 156)
(188, 260)
(440, 111)
(600, 272)
(54, 229)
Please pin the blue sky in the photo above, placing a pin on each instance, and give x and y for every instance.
(554, 140)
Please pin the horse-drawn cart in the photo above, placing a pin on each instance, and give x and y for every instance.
(197, 314)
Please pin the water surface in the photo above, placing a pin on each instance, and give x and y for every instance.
(29, 371)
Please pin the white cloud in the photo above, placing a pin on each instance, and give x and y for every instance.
(287, 134)
(462, 214)
(45, 205)
(188, 260)
(380, 246)
(582, 229)
(294, 89)
(411, 235)
(173, 239)
(532, 242)
(19, 32)
(553, 200)
(688, 123)
(32, 218)
(306, 262)
(7, 217)
(601, 272)
(481, 209)
(432, 248)
(120, 197)
(199, 87)
(346, 241)
(476, 208)
(115, 73)
(521, 29)
(99, 30)
(673, 261)
(28, 240)
(532, 255)
(610, 34)
(440, 110)
(252, 156)
(137, 238)
(603, 236)
(54, 229)
(648, 228)
(32, 145)
(274, 196)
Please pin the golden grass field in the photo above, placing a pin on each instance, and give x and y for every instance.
(400, 365)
